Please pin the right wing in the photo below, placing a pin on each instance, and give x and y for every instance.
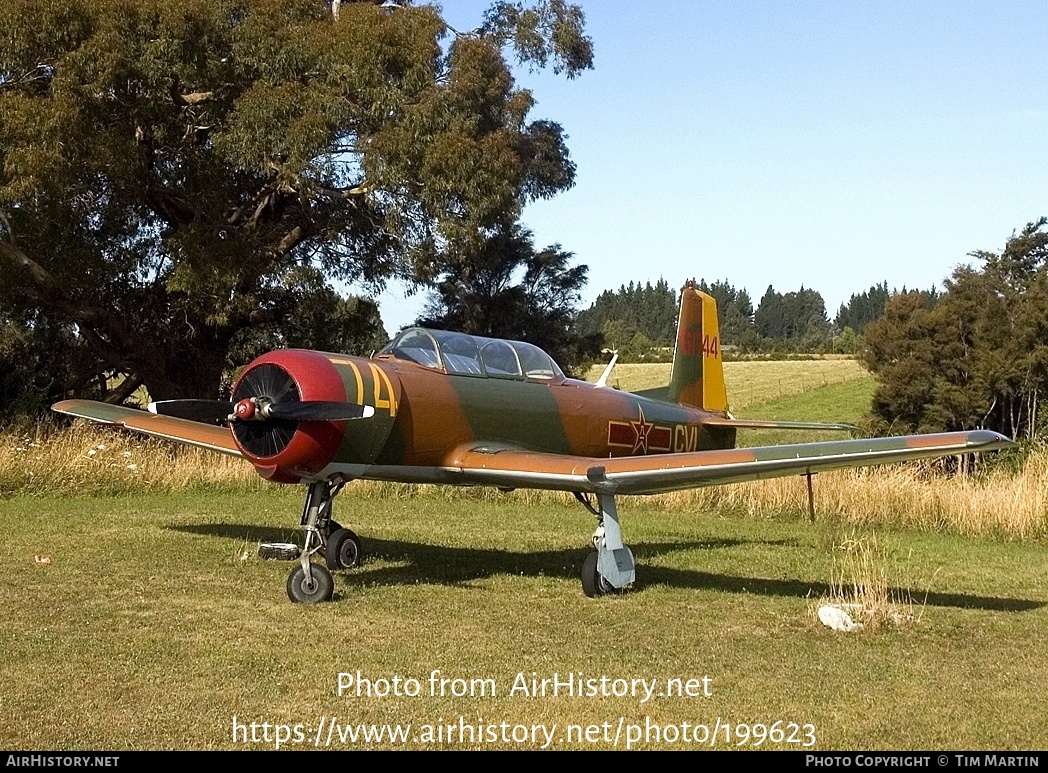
(211, 437)
(657, 473)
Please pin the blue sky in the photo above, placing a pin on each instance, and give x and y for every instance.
(832, 145)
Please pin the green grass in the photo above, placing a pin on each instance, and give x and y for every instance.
(748, 383)
(155, 623)
(847, 402)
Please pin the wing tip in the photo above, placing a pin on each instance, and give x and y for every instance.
(989, 439)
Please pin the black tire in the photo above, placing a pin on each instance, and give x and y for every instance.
(301, 590)
(333, 526)
(343, 550)
(593, 585)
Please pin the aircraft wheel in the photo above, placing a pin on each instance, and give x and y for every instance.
(343, 550)
(593, 585)
(301, 589)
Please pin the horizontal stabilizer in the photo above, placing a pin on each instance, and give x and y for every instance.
(656, 393)
(767, 424)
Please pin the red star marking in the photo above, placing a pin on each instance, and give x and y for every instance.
(642, 428)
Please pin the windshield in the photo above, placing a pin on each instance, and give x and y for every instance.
(468, 355)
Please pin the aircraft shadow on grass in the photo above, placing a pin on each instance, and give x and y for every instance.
(444, 565)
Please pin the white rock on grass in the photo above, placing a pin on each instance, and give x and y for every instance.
(837, 617)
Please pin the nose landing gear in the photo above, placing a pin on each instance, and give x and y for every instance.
(310, 582)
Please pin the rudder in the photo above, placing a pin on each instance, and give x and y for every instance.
(697, 377)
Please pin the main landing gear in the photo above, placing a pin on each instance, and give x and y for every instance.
(310, 582)
(609, 568)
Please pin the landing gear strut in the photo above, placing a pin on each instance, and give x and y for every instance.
(311, 582)
(610, 567)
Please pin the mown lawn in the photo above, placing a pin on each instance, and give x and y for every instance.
(155, 624)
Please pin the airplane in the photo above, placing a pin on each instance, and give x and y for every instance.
(443, 407)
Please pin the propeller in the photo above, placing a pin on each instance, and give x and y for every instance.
(260, 409)
(266, 393)
(194, 410)
(265, 411)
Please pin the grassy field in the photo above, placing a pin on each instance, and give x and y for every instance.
(749, 383)
(138, 615)
(155, 624)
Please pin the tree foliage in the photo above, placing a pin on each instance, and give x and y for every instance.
(976, 358)
(508, 289)
(174, 174)
(39, 363)
(863, 308)
(648, 310)
(798, 317)
(327, 322)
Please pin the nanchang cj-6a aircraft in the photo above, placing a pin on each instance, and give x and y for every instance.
(441, 407)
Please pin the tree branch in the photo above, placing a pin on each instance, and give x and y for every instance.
(7, 227)
(292, 239)
(169, 207)
(125, 390)
(42, 71)
(187, 100)
(91, 319)
(344, 194)
(195, 98)
(264, 316)
(144, 140)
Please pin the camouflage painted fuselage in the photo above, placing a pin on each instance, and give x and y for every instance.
(423, 414)
(438, 412)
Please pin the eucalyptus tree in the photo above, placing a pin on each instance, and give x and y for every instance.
(173, 174)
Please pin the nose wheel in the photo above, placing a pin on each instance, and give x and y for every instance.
(310, 586)
(309, 582)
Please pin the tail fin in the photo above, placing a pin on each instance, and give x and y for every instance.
(697, 378)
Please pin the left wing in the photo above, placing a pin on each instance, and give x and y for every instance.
(193, 433)
(499, 466)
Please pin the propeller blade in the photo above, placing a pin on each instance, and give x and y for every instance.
(194, 410)
(318, 410)
(293, 410)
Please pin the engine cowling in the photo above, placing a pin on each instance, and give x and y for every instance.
(287, 451)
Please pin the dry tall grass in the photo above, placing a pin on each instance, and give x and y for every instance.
(861, 588)
(89, 459)
(917, 495)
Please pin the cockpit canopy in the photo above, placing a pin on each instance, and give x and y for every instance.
(468, 355)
